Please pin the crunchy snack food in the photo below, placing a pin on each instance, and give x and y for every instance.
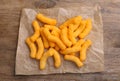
(36, 29)
(64, 37)
(66, 40)
(44, 58)
(80, 28)
(46, 20)
(70, 34)
(45, 41)
(84, 48)
(74, 59)
(40, 48)
(32, 47)
(56, 56)
(87, 29)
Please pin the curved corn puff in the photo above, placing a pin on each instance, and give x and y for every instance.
(40, 48)
(32, 48)
(80, 28)
(83, 50)
(56, 56)
(45, 41)
(46, 20)
(64, 37)
(37, 31)
(70, 34)
(74, 59)
(44, 58)
(87, 29)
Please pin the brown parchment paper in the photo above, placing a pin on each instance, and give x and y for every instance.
(95, 56)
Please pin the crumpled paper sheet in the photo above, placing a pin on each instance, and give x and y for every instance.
(95, 55)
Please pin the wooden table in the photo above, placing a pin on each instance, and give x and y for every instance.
(10, 11)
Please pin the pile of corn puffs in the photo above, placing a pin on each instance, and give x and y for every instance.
(67, 40)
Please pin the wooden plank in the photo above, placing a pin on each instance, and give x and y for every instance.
(9, 24)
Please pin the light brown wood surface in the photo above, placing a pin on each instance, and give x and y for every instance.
(10, 11)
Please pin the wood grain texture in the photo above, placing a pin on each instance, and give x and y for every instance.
(10, 12)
